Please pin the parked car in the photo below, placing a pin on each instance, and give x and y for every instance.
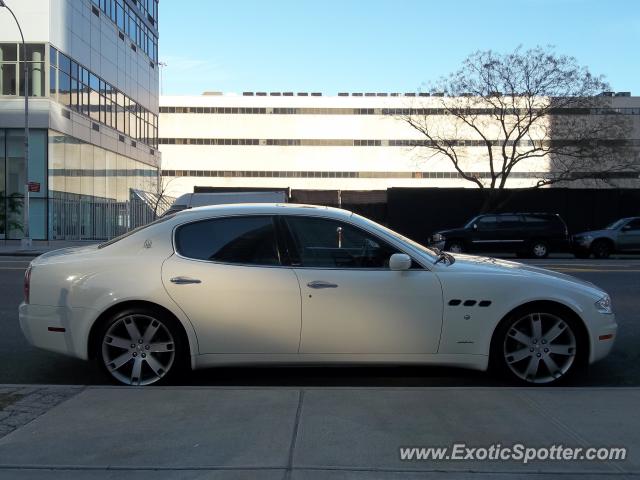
(526, 234)
(289, 284)
(621, 236)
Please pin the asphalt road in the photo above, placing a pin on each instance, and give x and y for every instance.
(22, 364)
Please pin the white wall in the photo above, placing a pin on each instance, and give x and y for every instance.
(402, 161)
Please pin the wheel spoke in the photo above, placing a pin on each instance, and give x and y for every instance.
(136, 371)
(536, 326)
(118, 342)
(119, 361)
(519, 336)
(132, 329)
(150, 331)
(555, 331)
(553, 367)
(562, 349)
(161, 347)
(532, 368)
(518, 355)
(155, 365)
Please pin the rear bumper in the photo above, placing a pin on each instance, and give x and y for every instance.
(58, 329)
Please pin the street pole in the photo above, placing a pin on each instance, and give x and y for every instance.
(26, 239)
(161, 66)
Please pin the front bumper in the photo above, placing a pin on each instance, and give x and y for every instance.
(603, 331)
(58, 329)
(439, 244)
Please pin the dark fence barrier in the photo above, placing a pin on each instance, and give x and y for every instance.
(418, 212)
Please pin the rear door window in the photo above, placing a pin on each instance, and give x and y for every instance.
(510, 221)
(241, 240)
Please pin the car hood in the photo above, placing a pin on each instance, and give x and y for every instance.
(451, 231)
(595, 233)
(488, 265)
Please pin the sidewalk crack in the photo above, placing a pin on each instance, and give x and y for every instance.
(294, 436)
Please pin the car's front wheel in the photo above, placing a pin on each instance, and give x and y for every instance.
(538, 346)
(140, 347)
(601, 249)
(455, 246)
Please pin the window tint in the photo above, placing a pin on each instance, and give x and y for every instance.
(487, 223)
(331, 244)
(246, 240)
(536, 219)
(634, 224)
(509, 221)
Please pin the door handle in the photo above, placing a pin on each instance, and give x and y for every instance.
(184, 280)
(320, 284)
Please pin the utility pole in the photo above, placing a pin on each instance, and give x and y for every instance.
(161, 65)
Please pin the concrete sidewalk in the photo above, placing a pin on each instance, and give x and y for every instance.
(319, 433)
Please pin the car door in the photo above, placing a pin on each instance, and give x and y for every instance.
(352, 303)
(511, 233)
(486, 237)
(227, 277)
(629, 236)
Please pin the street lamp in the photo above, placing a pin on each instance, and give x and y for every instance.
(26, 239)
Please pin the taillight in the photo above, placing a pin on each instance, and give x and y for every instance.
(27, 284)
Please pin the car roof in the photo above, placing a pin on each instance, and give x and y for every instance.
(261, 209)
(521, 213)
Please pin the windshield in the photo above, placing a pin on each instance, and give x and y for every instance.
(135, 230)
(616, 224)
(429, 251)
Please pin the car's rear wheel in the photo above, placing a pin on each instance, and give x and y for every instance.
(539, 249)
(140, 347)
(538, 346)
(455, 246)
(601, 249)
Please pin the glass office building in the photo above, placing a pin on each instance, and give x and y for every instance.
(93, 87)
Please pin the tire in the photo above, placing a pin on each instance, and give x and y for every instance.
(601, 249)
(523, 345)
(141, 346)
(455, 246)
(539, 249)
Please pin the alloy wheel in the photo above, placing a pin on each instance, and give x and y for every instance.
(138, 350)
(539, 348)
(455, 248)
(540, 250)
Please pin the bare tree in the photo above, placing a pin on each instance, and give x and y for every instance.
(528, 109)
(162, 200)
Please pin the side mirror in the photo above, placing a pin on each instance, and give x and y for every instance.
(626, 228)
(475, 226)
(400, 261)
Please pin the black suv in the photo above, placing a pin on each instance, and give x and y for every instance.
(526, 234)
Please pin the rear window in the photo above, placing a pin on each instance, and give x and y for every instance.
(242, 240)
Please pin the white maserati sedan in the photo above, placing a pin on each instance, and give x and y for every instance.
(294, 284)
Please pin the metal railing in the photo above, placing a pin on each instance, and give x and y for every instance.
(102, 219)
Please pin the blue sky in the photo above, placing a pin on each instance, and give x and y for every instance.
(380, 45)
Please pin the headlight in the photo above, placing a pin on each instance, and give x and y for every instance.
(438, 237)
(585, 239)
(604, 304)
